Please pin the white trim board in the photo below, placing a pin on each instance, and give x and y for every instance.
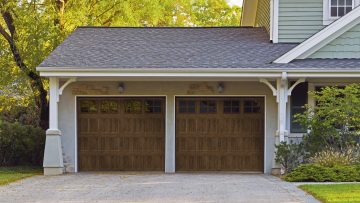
(322, 38)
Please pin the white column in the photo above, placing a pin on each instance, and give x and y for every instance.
(170, 135)
(282, 99)
(53, 158)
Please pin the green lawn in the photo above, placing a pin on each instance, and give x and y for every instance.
(334, 193)
(11, 174)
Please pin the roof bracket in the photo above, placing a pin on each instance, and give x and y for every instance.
(266, 82)
(301, 80)
(70, 80)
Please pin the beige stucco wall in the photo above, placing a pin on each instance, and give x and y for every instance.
(67, 108)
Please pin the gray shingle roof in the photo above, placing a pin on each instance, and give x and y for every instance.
(223, 47)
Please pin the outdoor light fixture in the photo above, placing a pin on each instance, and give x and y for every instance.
(121, 87)
(220, 87)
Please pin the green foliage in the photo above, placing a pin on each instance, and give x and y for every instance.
(318, 173)
(335, 121)
(332, 157)
(289, 155)
(41, 25)
(332, 193)
(20, 144)
(11, 174)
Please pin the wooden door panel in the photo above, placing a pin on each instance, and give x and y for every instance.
(225, 140)
(113, 135)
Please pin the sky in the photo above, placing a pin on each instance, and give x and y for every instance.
(235, 2)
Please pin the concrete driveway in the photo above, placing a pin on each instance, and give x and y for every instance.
(153, 187)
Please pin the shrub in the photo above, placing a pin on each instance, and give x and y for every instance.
(20, 144)
(334, 122)
(289, 155)
(318, 173)
(331, 157)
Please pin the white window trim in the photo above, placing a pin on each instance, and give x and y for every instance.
(327, 19)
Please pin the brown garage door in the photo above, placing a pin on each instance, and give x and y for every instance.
(220, 134)
(121, 134)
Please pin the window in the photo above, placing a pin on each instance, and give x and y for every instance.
(88, 106)
(334, 9)
(186, 106)
(231, 106)
(339, 8)
(207, 106)
(108, 107)
(153, 106)
(299, 98)
(251, 106)
(133, 106)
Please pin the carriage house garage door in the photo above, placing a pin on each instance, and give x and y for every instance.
(121, 134)
(220, 134)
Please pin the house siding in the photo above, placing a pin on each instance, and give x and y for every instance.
(299, 19)
(263, 15)
(345, 46)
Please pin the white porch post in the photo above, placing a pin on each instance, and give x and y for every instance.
(170, 135)
(53, 158)
(282, 99)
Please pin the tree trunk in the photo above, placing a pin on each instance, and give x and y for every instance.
(40, 93)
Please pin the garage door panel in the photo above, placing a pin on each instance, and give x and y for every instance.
(121, 134)
(227, 137)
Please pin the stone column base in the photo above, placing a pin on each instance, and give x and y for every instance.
(276, 171)
(53, 171)
(53, 156)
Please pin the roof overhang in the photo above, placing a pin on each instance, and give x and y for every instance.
(196, 73)
(322, 38)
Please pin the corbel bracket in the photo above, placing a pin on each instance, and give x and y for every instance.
(61, 89)
(266, 82)
(68, 82)
(301, 80)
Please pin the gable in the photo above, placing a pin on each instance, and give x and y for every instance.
(324, 37)
(345, 46)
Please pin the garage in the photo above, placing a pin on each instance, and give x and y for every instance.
(121, 134)
(220, 134)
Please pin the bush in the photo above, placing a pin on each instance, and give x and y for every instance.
(318, 173)
(21, 144)
(334, 122)
(289, 155)
(331, 157)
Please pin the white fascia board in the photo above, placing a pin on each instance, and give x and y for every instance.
(322, 38)
(193, 73)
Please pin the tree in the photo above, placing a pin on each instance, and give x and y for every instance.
(31, 29)
(334, 122)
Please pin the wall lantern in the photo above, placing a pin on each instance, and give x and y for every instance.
(220, 87)
(121, 87)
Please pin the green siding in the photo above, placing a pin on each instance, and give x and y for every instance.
(263, 14)
(299, 19)
(345, 46)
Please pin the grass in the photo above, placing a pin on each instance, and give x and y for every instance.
(12, 174)
(334, 193)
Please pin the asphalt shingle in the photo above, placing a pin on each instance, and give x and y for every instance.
(223, 47)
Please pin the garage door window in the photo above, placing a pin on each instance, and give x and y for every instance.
(251, 106)
(153, 106)
(108, 107)
(231, 106)
(187, 107)
(89, 106)
(133, 106)
(207, 106)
